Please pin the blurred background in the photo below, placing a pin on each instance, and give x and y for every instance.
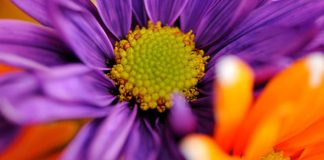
(8, 10)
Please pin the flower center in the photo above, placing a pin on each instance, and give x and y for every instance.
(153, 62)
(275, 156)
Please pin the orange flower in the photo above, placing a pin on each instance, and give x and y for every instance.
(286, 121)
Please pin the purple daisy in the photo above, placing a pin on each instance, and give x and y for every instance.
(140, 70)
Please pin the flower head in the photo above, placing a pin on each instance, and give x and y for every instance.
(155, 62)
(283, 122)
(119, 62)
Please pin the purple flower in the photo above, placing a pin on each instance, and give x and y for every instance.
(75, 66)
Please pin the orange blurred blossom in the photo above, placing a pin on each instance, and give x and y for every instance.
(286, 121)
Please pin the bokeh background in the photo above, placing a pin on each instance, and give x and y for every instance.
(8, 10)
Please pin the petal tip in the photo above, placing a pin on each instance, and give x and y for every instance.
(181, 118)
(187, 147)
(197, 146)
(315, 65)
(227, 70)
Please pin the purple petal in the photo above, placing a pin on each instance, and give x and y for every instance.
(39, 109)
(64, 82)
(76, 149)
(113, 133)
(17, 85)
(89, 6)
(181, 119)
(265, 72)
(265, 45)
(38, 9)
(262, 2)
(206, 88)
(78, 83)
(283, 12)
(205, 85)
(194, 12)
(318, 42)
(208, 77)
(166, 11)
(33, 42)
(7, 133)
(21, 95)
(117, 15)
(140, 12)
(82, 32)
(203, 110)
(35, 8)
(20, 62)
(143, 142)
(169, 147)
(214, 19)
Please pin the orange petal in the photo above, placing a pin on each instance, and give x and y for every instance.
(312, 101)
(265, 136)
(234, 88)
(311, 110)
(314, 157)
(299, 86)
(37, 142)
(310, 136)
(315, 152)
(202, 147)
